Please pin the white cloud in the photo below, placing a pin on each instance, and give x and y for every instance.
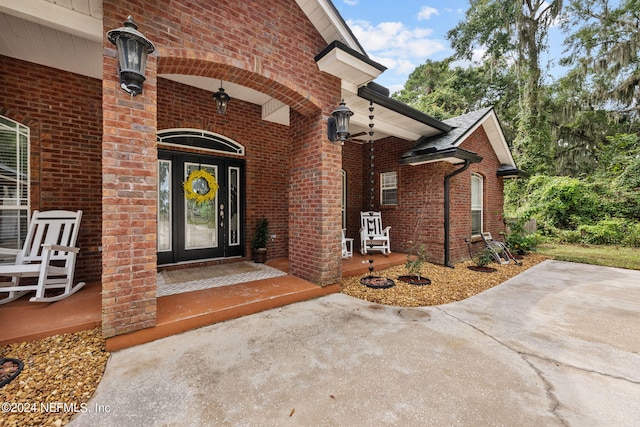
(395, 46)
(427, 12)
(350, 2)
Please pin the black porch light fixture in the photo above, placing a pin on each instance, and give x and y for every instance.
(222, 100)
(133, 48)
(338, 123)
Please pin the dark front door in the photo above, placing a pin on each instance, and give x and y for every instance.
(206, 222)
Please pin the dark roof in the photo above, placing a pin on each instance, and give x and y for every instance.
(443, 146)
(460, 126)
(507, 171)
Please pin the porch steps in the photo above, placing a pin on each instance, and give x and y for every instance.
(22, 320)
(183, 312)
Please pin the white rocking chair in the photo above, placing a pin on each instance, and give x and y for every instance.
(372, 236)
(347, 245)
(49, 254)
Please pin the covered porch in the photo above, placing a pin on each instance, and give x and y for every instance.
(178, 312)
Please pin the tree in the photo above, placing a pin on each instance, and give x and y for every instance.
(517, 31)
(443, 91)
(597, 99)
(604, 50)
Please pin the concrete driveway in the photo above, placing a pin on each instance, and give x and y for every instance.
(556, 345)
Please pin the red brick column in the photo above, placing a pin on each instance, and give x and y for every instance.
(129, 182)
(314, 203)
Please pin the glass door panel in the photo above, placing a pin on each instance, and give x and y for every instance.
(164, 206)
(234, 206)
(201, 219)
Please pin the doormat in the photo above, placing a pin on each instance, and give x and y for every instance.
(194, 279)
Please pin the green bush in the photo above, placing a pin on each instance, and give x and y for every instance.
(562, 202)
(606, 232)
(568, 236)
(632, 237)
(518, 240)
(600, 209)
(483, 257)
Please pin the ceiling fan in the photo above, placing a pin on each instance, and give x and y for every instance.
(356, 135)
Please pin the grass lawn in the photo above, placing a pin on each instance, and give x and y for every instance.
(612, 256)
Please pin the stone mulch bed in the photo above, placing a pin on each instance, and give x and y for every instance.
(447, 284)
(66, 369)
(60, 375)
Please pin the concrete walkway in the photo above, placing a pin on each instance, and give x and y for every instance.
(556, 345)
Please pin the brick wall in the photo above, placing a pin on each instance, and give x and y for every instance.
(129, 200)
(419, 215)
(493, 190)
(267, 46)
(63, 112)
(352, 158)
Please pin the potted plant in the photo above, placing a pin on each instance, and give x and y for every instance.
(260, 240)
(416, 257)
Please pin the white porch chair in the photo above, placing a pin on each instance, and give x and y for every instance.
(347, 245)
(372, 236)
(49, 254)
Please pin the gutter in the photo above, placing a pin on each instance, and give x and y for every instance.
(370, 93)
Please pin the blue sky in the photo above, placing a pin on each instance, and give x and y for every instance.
(403, 34)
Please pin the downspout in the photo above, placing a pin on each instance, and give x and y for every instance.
(447, 224)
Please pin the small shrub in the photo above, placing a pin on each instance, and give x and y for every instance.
(416, 257)
(483, 257)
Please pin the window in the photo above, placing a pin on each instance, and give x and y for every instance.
(389, 188)
(476, 204)
(14, 184)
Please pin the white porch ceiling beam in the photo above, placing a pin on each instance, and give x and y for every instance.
(362, 119)
(54, 16)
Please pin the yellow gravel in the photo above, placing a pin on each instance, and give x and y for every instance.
(447, 284)
(59, 377)
(62, 372)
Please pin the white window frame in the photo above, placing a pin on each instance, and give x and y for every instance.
(388, 183)
(477, 201)
(15, 191)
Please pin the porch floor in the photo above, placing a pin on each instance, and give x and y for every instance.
(25, 321)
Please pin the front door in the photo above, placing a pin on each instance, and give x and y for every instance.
(200, 213)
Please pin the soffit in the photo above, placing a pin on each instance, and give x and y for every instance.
(328, 22)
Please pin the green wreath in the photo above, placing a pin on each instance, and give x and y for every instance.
(199, 198)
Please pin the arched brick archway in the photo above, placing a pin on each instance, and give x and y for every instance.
(244, 73)
(275, 58)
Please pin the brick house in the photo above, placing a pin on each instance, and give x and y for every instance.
(286, 65)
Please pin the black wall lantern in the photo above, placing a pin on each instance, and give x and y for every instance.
(133, 48)
(338, 123)
(222, 100)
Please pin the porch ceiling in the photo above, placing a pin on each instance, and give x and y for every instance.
(387, 122)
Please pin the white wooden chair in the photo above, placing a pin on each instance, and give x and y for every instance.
(372, 236)
(347, 245)
(49, 254)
